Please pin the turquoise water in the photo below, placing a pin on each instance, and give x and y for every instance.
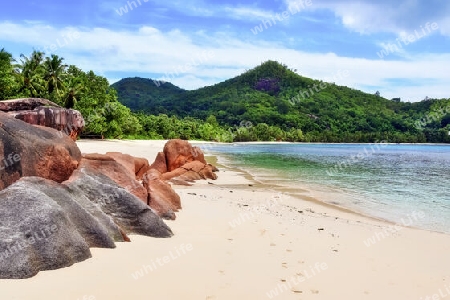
(382, 180)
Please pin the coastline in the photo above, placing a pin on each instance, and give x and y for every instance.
(320, 143)
(294, 192)
(334, 196)
(237, 238)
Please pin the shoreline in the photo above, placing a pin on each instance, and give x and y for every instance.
(313, 143)
(294, 190)
(235, 239)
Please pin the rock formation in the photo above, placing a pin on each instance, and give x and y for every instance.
(126, 160)
(55, 203)
(128, 212)
(180, 163)
(161, 197)
(116, 169)
(36, 234)
(25, 104)
(47, 225)
(43, 112)
(180, 152)
(141, 166)
(160, 163)
(192, 171)
(27, 150)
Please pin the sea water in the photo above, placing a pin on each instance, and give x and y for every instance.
(387, 181)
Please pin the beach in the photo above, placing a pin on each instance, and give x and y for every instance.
(236, 238)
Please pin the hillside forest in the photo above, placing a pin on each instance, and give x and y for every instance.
(267, 103)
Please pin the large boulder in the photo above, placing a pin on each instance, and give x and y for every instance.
(124, 176)
(97, 229)
(128, 212)
(25, 104)
(45, 113)
(36, 234)
(27, 150)
(180, 152)
(161, 197)
(46, 225)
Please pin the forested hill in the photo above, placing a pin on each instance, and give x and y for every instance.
(142, 94)
(267, 103)
(277, 97)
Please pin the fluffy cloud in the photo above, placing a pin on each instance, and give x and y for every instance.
(196, 60)
(368, 16)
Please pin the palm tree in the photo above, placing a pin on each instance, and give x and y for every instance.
(54, 71)
(5, 56)
(7, 83)
(30, 74)
(74, 89)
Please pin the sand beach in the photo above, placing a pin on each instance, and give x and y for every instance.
(236, 238)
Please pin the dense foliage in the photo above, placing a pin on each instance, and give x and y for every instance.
(281, 105)
(136, 93)
(269, 102)
(39, 76)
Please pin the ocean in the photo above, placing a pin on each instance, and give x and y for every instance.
(387, 181)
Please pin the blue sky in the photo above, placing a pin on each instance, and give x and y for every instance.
(400, 48)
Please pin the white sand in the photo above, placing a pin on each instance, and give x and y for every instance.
(225, 250)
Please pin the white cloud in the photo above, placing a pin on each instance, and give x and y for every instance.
(187, 7)
(368, 16)
(147, 30)
(248, 13)
(149, 50)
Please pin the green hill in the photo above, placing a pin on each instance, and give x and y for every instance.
(141, 94)
(272, 96)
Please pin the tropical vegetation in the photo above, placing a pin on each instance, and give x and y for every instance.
(40, 76)
(275, 103)
(267, 103)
